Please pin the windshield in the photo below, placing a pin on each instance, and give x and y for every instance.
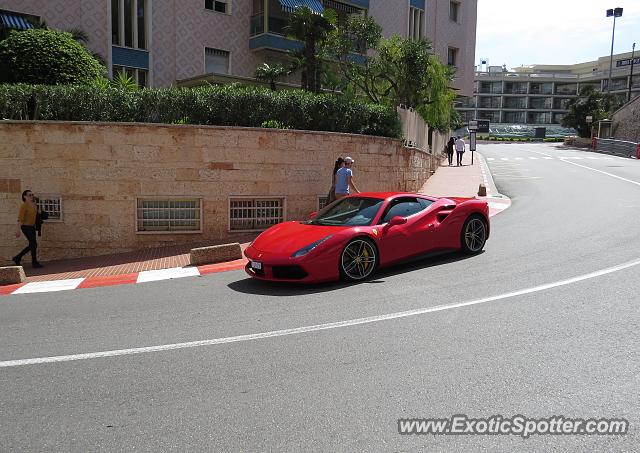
(353, 211)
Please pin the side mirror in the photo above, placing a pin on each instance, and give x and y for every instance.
(397, 220)
(312, 215)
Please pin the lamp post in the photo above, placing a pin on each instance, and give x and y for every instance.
(633, 52)
(617, 12)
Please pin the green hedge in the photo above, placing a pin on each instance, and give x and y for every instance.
(228, 105)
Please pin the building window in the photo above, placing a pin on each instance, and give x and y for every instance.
(416, 23)
(140, 76)
(322, 201)
(454, 10)
(255, 214)
(169, 215)
(128, 23)
(217, 5)
(452, 56)
(216, 60)
(52, 205)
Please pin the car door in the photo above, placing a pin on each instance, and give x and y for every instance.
(401, 241)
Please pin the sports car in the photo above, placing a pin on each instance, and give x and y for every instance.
(353, 236)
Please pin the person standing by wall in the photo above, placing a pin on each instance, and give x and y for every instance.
(344, 179)
(459, 150)
(27, 223)
(450, 145)
(332, 192)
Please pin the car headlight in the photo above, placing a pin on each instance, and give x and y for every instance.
(304, 250)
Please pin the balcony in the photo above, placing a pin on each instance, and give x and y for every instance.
(560, 104)
(490, 88)
(488, 102)
(515, 117)
(515, 103)
(571, 89)
(541, 88)
(540, 103)
(515, 88)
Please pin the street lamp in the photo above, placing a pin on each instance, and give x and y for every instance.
(633, 52)
(617, 12)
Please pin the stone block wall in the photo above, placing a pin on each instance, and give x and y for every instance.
(99, 170)
(626, 122)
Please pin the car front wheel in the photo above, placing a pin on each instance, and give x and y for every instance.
(358, 260)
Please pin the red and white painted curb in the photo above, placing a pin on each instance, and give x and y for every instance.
(111, 280)
(497, 202)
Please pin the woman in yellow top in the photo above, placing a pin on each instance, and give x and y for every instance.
(27, 221)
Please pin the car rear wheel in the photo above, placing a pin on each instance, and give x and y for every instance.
(358, 260)
(474, 235)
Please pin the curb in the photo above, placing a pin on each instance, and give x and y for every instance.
(123, 279)
(497, 202)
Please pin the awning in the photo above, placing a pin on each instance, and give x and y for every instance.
(15, 21)
(290, 5)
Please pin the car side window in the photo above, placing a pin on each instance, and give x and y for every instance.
(404, 207)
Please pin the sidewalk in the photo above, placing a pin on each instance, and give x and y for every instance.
(464, 182)
(456, 181)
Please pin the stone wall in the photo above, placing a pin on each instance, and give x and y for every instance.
(626, 122)
(99, 170)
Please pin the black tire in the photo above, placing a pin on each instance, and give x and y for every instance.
(358, 260)
(473, 236)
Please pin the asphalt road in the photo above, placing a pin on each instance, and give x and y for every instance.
(566, 349)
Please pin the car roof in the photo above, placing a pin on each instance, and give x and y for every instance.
(385, 195)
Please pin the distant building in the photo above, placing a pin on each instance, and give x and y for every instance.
(538, 94)
(161, 41)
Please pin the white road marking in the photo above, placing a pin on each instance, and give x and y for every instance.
(491, 158)
(504, 158)
(45, 287)
(164, 274)
(548, 157)
(533, 158)
(604, 173)
(317, 327)
(519, 158)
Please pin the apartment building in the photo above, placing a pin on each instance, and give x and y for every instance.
(538, 94)
(159, 42)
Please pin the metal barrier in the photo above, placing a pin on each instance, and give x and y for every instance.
(617, 147)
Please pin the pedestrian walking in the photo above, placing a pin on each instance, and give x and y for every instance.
(332, 192)
(459, 150)
(450, 146)
(27, 224)
(344, 179)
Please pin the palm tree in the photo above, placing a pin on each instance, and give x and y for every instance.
(312, 30)
(270, 73)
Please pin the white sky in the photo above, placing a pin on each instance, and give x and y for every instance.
(519, 32)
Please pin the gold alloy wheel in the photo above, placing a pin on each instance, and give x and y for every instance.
(358, 259)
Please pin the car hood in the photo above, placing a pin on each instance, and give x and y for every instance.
(289, 237)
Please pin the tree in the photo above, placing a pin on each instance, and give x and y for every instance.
(351, 46)
(589, 102)
(41, 56)
(270, 73)
(312, 30)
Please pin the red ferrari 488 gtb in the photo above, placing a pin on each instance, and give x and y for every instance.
(354, 236)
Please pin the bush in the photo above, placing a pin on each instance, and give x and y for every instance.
(228, 105)
(42, 56)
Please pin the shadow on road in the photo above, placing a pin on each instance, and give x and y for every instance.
(263, 288)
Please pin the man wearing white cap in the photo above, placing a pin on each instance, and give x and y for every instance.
(344, 179)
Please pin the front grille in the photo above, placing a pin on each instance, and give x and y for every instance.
(289, 272)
